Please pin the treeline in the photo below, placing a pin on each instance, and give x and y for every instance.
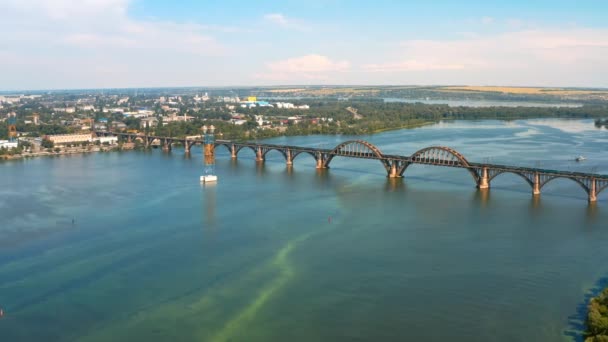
(403, 111)
(600, 123)
(597, 319)
(35, 130)
(372, 116)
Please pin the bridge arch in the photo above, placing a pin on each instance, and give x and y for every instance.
(442, 156)
(281, 151)
(356, 148)
(228, 146)
(295, 154)
(577, 181)
(239, 148)
(528, 180)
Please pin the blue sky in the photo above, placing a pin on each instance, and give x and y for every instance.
(152, 43)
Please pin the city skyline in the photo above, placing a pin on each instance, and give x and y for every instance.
(121, 43)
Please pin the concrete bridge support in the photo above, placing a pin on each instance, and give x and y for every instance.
(259, 156)
(484, 182)
(593, 191)
(188, 146)
(321, 160)
(393, 173)
(232, 151)
(288, 158)
(395, 168)
(167, 145)
(536, 185)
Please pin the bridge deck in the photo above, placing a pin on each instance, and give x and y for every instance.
(385, 157)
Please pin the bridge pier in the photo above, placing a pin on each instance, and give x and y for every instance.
(232, 151)
(288, 158)
(393, 171)
(259, 156)
(536, 185)
(484, 182)
(592, 191)
(167, 146)
(395, 168)
(321, 159)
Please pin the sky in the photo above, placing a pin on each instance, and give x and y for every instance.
(72, 44)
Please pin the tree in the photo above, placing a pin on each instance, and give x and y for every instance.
(46, 143)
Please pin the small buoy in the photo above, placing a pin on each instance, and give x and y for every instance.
(1, 313)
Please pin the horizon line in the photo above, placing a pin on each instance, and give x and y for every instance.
(299, 86)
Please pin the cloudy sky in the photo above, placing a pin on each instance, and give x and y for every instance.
(59, 44)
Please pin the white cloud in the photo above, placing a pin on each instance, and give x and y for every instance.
(411, 65)
(277, 18)
(285, 22)
(307, 64)
(308, 67)
(535, 57)
(68, 9)
(91, 43)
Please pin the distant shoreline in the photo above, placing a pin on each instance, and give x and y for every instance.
(54, 154)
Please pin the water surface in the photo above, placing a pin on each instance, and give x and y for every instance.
(275, 254)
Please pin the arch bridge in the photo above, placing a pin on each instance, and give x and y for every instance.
(394, 165)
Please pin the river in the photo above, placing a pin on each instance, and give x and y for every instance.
(276, 254)
(465, 102)
(484, 103)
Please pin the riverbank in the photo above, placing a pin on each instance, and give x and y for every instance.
(70, 151)
(597, 318)
(407, 126)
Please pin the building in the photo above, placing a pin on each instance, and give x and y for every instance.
(67, 139)
(87, 108)
(145, 112)
(285, 105)
(148, 122)
(177, 118)
(107, 140)
(8, 144)
(119, 125)
(238, 122)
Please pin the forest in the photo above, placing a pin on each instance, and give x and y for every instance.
(597, 319)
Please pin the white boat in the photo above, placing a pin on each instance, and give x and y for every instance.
(579, 158)
(208, 179)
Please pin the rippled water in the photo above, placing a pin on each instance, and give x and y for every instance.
(272, 254)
